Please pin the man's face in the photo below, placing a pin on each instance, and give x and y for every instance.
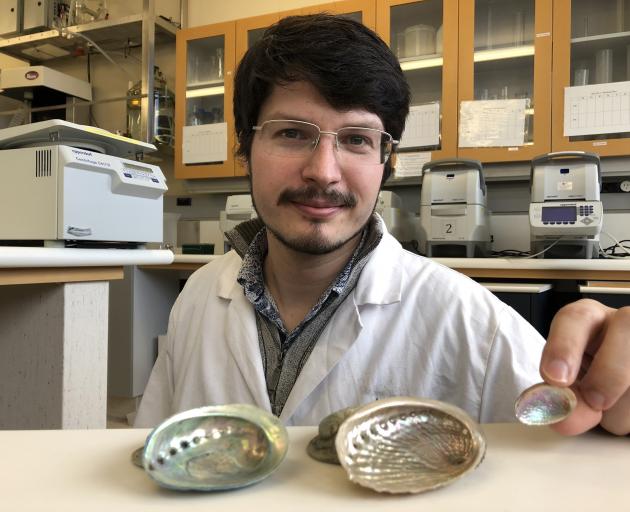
(313, 204)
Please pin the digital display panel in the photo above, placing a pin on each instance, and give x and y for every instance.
(559, 214)
(139, 168)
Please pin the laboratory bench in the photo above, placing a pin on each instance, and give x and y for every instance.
(525, 468)
(54, 311)
(494, 268)
(536, 288)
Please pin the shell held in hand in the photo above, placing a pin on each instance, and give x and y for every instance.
(215, 448)
(543, 404)
(409, 445)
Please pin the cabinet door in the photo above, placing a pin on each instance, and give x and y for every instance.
(504, 54)
(423, 33)
(203, 103)
(359, 10)
(248, 31)
(591, 45)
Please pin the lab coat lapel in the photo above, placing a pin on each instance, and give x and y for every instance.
(242, 339)
(336, 339)
(380, 283)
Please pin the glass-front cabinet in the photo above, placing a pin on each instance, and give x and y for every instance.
(203, 114)
(504, 79)
(207, 58)
(248, 32)
(358, 10)
(423, 34)
(480, 73)
(591, 94)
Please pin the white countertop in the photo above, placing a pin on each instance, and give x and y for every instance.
(23, 257)
(536, 263)
(493, 263)
(195, 258)
(525, 469)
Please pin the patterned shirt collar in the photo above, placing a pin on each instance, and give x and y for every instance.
(250, 276)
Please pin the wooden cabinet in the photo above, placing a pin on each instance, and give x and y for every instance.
(359, 10)
(451, 51)
(467, 50)
(203, 109)
(423, 34)
(591, 45)
(504, 54)
(204, 95)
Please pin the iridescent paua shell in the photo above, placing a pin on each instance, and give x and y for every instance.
(543, 404)
(409, 445)
(215, 448)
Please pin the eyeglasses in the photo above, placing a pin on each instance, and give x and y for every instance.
(355, 145)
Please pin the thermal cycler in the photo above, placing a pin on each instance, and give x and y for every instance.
(566, 213)
(453, 209)
(73, 185)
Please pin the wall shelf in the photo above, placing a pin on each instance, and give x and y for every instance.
(108, 34)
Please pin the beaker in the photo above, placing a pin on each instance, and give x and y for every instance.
(603, 66)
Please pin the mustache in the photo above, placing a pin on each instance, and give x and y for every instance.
(305, 194)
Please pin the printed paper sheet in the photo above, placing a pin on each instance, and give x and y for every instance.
(205, 143)
(492, 123)
(422, 127)
(597, 109)
(410, 164)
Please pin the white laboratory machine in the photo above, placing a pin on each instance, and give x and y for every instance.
(453, 209)
(45, 94)
(399, 222)
(63, 184)
(566, 213)
(238, 208)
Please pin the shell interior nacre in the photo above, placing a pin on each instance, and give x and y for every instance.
(409, 445)
(543, 404)
(215, 448)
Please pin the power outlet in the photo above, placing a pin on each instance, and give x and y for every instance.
(616, 186)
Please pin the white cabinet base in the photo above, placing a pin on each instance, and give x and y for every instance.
(53, 355)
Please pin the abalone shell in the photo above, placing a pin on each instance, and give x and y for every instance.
(215, 448)
(543, 404)
(409, 445)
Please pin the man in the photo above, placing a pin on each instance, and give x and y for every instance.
(319, 308)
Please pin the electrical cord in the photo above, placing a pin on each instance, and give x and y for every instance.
(510, 253)
(544, 250)
(609, 252)
(513, 253)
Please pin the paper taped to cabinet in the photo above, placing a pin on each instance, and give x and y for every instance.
(422, 127)
(492, 123)
(597, 109)
(410, 164)
(206, 143)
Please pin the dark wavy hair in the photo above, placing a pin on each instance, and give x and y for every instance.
(348, 64)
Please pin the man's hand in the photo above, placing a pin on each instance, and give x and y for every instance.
(588, 348)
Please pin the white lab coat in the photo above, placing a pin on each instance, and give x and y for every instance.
(411, 327)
